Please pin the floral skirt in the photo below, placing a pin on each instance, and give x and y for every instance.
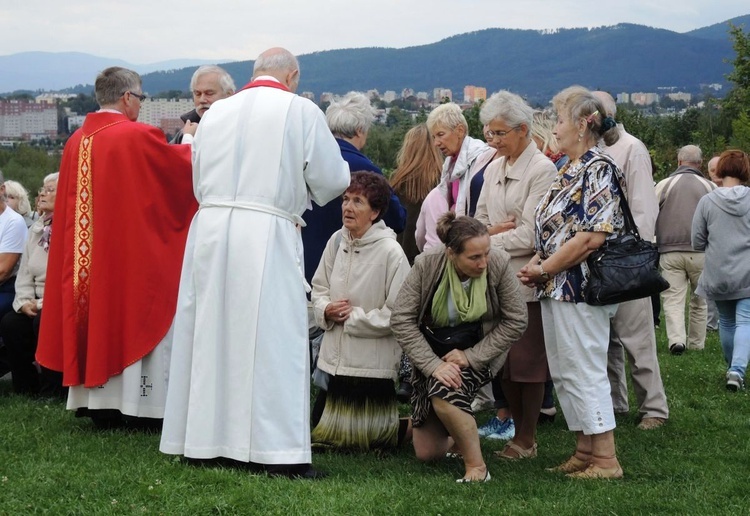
(425, 388)
(359, 414)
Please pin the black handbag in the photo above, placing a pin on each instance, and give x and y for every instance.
(623, 268)
(445, 339)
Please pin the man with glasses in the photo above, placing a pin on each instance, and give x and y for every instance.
(209, 84)
(124, 205)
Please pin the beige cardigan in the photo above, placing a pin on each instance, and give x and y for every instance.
(504, 322)
(516, 191)
(32, 270)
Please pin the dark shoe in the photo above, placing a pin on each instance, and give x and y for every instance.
(547, 415)
(403, 394)
(295, 471)
(677, 349)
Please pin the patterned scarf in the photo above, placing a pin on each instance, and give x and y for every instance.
(46, 233)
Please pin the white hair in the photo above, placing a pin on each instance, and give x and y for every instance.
(275, 60)
(225, 80)
(51, 177)
(448, 115)
(350, 114)
(508, 107)
(690, 154)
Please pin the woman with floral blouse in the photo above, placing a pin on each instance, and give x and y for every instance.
(579, 212)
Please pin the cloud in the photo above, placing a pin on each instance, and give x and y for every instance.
(145, 31)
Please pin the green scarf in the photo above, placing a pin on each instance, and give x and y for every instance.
(470, 306)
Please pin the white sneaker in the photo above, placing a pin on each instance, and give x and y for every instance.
(506, 432)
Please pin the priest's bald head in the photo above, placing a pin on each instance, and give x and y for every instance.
(119, 89)
(280, 64)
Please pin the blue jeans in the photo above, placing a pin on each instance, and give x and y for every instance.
(734, 333)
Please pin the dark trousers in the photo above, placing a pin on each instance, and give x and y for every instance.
(20, 334)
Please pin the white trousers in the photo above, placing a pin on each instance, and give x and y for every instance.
(576, 336)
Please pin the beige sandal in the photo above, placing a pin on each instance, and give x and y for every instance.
(572, 465)
(520, 453)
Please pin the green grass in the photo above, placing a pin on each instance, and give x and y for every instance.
(699, 463)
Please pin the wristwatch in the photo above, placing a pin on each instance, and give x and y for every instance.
(544, 274)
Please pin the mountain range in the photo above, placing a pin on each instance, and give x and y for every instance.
(624, 57)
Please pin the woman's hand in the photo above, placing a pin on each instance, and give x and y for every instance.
(29, 308)
(338, 311)
(458, 357)
(531, 275)
(502, 227)
(448, 374)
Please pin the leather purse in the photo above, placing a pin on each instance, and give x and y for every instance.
(445, 339)
(623, 268)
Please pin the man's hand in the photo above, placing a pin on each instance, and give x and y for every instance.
(189, 128)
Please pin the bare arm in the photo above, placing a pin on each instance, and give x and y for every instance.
(7, 262)
(572, 252)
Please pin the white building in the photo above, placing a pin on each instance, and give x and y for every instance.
(389, 96)
(27, 120)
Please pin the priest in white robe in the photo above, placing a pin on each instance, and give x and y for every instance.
(239, 375)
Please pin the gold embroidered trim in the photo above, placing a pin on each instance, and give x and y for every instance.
(84, 233)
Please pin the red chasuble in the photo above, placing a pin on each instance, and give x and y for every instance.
(123, 209)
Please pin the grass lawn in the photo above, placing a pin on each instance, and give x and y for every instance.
(698, 463)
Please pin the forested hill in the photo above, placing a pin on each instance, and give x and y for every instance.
(624, 57)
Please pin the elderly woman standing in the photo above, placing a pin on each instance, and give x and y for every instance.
(18, 198)
(578, 213)
(513, 187)
(462, 176)
(20, 327)
(354, 289)
(464, 284)
(349, 119)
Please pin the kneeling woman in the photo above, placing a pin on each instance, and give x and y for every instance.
(461, 283)
(354, 288)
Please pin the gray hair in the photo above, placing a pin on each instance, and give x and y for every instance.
(508, 107)
(113, 83)
(225, 80)
(275, 60)
(610, 106)
(448, 115)
(54, 176)
(690, 154)
(350, 114)
(577, 102)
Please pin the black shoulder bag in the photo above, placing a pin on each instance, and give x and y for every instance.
(625, 267)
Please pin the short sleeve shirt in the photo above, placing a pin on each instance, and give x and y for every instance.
(13, 233)
(583, 197)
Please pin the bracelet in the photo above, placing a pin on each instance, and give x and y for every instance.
(545, 275)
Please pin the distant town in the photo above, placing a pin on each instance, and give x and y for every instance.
(46, 118)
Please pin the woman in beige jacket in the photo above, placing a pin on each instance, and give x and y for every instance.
(354, 288)
(513, 187)
(463, 282)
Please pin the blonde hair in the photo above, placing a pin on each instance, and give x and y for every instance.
(419, 165)
(577, 102)
(448, 115)
(543, 130)
(17, 190)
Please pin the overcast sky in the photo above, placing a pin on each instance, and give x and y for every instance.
(146, 31)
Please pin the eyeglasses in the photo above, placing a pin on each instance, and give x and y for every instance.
(490, 135)
(47, 190)
(139, 96)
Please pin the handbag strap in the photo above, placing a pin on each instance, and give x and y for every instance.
(630, 226)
